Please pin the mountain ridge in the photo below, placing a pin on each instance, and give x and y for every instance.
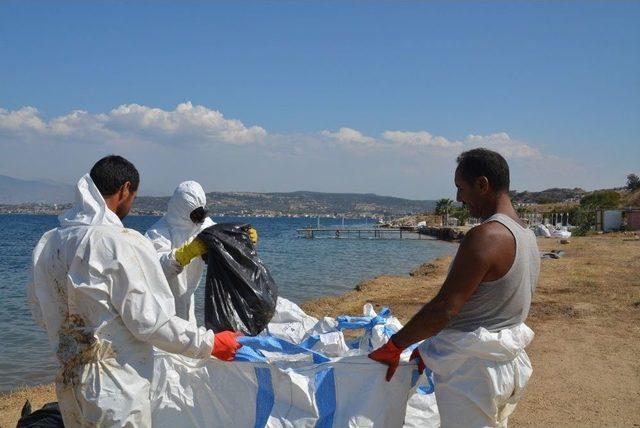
(19, 191)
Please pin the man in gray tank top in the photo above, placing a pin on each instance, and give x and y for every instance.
(474, 326)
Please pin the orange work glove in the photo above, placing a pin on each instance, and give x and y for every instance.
(225, 345)
(388, 354)
(416, 354)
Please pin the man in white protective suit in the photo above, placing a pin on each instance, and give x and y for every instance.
(474, 327)
(98, 290)
(174, 238)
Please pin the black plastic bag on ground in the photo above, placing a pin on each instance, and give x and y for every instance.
(47, 417)
(240, 293)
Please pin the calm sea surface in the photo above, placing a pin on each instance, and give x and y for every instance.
(303, 269)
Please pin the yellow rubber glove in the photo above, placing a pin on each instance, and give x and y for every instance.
(190, 251)
(253, 235)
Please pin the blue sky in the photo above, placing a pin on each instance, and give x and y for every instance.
(330, 96)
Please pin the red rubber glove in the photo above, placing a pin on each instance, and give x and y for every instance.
(225, 345)
(388, 354)
(416, 354)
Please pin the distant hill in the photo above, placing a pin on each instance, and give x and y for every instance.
(16, 191)
(548, 196)
(299, 203)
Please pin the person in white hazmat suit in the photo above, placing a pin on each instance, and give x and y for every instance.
(177, 230)
(474, 327)
(98, 290)
(185, 219)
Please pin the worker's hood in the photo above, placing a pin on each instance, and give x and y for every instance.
(188, 196)
(90, 208)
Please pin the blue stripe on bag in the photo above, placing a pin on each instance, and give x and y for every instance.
(248, 354)
(310, 341)
(415, 375)
(264, 398)
(325, 397)
(274, 344)
(389, 330)
(346, 322)
(353, 344)
(427, 389)
(423, 389)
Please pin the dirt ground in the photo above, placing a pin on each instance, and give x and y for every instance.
(586, 316)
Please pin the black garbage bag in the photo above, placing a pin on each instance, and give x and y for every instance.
(47, 417)
(240, 293)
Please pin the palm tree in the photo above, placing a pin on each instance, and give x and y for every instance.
(443, 208)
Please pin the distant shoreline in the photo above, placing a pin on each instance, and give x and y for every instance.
(160, 214)
(288, 204)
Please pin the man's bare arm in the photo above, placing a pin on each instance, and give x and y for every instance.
(472, 262)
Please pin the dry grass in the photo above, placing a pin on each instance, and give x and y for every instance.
(403, 294)
(586, 315)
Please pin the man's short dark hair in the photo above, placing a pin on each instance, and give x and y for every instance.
(111, 172)
(484, 162)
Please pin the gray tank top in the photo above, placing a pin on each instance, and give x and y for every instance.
(505, 302)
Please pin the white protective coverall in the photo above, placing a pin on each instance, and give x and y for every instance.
(479, 376)
(100, 293)
(169, 233)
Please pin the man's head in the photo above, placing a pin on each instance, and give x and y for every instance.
(117, 180)
(481, 177)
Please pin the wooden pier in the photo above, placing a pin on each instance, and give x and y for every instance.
(359, 233)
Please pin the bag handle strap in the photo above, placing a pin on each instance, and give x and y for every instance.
(346, 322)
(253, 345)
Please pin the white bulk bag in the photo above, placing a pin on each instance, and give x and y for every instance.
(346, 392)
(277, 383)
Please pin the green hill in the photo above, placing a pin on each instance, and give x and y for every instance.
(549, 196)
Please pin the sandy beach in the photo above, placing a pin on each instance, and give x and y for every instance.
(586, 316)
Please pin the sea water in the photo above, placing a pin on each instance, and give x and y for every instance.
(303, 269)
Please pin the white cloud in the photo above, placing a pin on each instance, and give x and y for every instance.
(349, 136)
(420, 139)
(23, 120)
(220, 148)
(186, 124)
(502, 143)
(186, 121)
(80, 124)
(199, 125)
